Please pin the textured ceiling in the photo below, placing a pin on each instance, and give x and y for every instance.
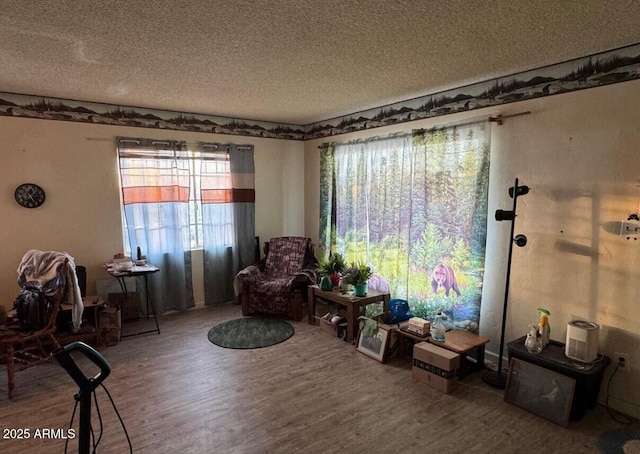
(291, 61)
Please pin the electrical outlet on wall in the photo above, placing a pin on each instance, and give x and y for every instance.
(623, 360)
(630, 229)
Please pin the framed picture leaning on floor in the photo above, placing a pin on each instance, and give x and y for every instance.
(541, 391)
(376, 345)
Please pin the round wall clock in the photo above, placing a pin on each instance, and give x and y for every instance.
(29, 195)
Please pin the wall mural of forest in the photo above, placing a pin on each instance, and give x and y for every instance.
(415, 208)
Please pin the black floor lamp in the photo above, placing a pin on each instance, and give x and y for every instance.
(498, 378)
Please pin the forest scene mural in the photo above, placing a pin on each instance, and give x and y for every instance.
(414, 208)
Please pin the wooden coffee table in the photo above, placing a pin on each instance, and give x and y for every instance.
(463, 342)
(349, 301)
(410, 338)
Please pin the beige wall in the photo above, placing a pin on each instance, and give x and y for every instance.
(578, 152)
(76, 165)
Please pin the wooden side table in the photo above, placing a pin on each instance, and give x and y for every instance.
(463, 342)
(347, 300)
(405, 337)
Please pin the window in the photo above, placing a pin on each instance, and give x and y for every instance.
(176, 200)
(156, 176)
(217, 172)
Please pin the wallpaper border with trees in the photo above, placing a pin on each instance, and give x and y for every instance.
(614, 66)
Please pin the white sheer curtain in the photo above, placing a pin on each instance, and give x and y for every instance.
(155, 185)
(374, 205)
(413, 206)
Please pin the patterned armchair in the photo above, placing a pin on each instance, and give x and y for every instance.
(278, 283)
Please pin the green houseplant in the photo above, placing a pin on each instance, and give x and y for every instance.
(331, 269)
(357, 274)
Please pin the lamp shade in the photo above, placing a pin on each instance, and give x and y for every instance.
(520, 240)
(503, 215)
(522, 190)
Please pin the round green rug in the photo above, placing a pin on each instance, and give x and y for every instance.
(620, 441)
(252, 332)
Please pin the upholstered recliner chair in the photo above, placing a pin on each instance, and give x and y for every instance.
(277, 284)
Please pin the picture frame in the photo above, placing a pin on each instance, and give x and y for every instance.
(540, 391)
(374, 346)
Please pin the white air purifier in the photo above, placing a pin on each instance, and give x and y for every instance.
(582, 341)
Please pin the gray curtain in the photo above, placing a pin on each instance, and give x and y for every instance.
(228, 216)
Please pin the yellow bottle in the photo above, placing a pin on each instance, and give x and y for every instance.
(543, 326)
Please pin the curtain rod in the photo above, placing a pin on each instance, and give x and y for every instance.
(500, 118)
(458, 124)
(194, 144)
(395, 135)
(225, 146)
(462, 123)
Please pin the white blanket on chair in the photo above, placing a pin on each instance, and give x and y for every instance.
(40, 267)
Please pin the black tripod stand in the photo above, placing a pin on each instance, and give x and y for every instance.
(87, 385)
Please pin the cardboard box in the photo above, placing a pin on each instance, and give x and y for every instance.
(435, 366)
(109, 324)
(418, 326)
(445, 385)
(130, 307)
(335, 330)
(436, 356)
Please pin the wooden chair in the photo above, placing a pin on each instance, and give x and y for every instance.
(20, 351)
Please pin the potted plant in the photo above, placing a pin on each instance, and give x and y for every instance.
(357, 274)
(331, 269)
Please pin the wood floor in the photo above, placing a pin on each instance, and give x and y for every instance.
(178, 393)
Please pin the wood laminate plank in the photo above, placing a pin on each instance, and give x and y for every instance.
(313, 393)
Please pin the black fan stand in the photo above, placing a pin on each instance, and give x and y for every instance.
(498, 378)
